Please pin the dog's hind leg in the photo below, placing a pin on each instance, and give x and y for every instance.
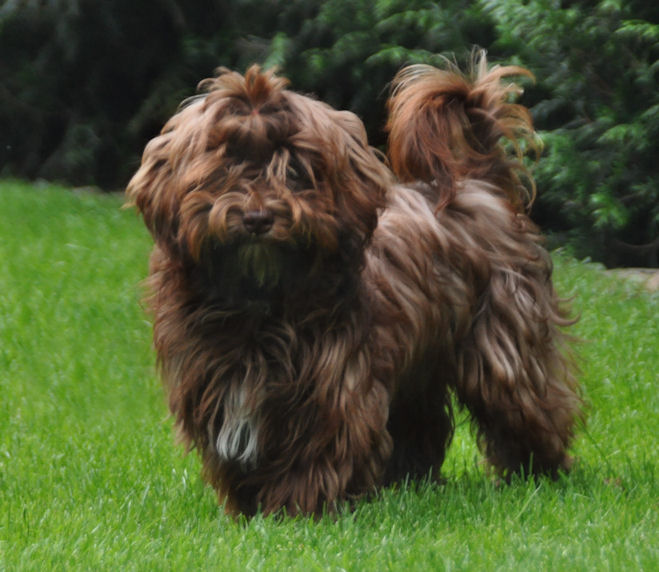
(515, 374)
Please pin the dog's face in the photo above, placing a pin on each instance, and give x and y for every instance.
(256, 183)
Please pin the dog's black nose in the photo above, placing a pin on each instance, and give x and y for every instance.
(258, 222)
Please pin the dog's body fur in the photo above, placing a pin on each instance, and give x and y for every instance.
(312, 315)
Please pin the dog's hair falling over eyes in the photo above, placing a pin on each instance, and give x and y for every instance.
(314, 311)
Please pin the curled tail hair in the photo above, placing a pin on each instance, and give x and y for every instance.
(445, 126)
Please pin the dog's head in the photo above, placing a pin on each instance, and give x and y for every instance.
(252, 178)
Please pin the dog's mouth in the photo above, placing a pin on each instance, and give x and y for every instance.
(260, 264)
(253, 270)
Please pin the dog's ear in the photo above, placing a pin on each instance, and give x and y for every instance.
(172, 166)
(153, 191)
(365, 178)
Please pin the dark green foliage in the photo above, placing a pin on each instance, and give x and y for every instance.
(86, 83)
(597, 102)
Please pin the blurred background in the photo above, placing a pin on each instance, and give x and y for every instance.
(84, 84)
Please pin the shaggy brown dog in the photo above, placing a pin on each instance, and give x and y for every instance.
(312, 315)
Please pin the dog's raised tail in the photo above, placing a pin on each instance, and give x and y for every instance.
(445, 126)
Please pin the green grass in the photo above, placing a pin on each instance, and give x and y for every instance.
(90, 478)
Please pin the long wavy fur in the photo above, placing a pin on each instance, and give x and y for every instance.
(312, 315)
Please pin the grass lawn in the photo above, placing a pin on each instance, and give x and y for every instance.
(90, 478)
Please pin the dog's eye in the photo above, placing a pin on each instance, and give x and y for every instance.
(292, 173)
(297, 178)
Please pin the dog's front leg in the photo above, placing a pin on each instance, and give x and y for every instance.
(335, 450)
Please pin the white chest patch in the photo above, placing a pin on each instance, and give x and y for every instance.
(238, 436)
